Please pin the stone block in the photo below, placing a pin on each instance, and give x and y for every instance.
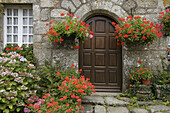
(67, 57)
(101, 5)
(87, 108)
(139, 110)
(140, 11)
(83, 1)
(84, 9)
(147, 3)
(100, 109)
(119, 11)
(37, 38)
(40, 28)
(151, 11)
(36, 12)
(45, 14)
(115, 102)
(68, 4)
(119, 2)
(77, 2)
(117, 110)
(57, 12)
(42, 55)
(49, 3)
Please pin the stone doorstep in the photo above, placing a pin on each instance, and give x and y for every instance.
(93, 100)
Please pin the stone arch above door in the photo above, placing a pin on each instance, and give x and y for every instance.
(105, 8)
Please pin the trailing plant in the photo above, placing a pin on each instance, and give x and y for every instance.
(165, 21)
(68, 30)
(26, 51)
(17, 81)
(136, 30)
(2, 9)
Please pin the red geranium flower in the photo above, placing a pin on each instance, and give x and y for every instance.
(76, 47)
(140, 62)
(58, 73)
(62, 14)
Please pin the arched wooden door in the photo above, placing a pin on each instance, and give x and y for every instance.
(100, 57)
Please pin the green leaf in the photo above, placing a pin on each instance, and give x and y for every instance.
(6, 111)
(25, 83)
(8, 88)
(4, 100)
(22, 94)
(24, 69)
(18, 109)
(3, 106)
(19, 88)
(10, 106)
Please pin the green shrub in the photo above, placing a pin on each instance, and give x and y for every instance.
(66, 89)
(17, 81)
(25, 51)
(49, 81)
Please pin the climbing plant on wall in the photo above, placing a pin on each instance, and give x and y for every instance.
(2, 9)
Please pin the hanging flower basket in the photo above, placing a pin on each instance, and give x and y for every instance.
(68, 31)
(136, 30)
(165, 21)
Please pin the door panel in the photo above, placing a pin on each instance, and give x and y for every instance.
(100, 57)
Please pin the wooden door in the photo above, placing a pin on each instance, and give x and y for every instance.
(100, 58)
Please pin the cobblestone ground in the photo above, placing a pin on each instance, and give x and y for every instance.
(113, 104)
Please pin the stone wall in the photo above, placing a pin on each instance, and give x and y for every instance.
(47, 10)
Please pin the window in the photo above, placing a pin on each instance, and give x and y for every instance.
(18, 25)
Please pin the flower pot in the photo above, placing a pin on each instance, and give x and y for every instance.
(146, 82)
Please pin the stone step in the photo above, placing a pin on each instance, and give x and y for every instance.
(117, 110)
(93, 100)
(111, 101)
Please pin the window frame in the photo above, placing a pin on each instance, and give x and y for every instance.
(19, 25)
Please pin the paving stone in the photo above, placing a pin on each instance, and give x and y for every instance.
(117, 110)
(125, 99)
(139, 110)
(100, 109)
(159, 108)
(87, 108)
(144, 103)
(114, 101)
(93, 100)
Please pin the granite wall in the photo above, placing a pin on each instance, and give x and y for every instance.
(47, 10)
